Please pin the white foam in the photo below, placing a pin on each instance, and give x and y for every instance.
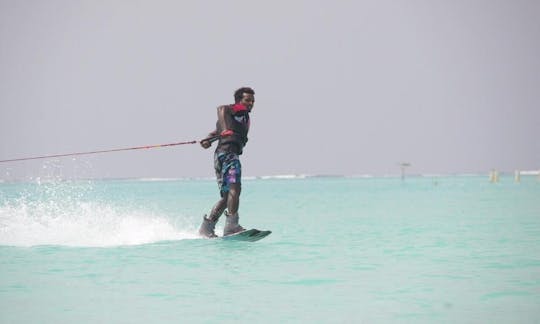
(530, 172)
(158, 179)
(82, 224)
(284, 176)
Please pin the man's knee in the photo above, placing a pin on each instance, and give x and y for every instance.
(234, 190)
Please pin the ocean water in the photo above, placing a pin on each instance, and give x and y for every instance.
(343, 250)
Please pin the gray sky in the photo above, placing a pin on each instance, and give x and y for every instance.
(342, 87)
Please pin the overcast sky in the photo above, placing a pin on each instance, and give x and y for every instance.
(342, 87)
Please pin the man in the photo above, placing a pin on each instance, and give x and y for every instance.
(231, 131)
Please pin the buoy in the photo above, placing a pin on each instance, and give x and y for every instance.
(494, 176)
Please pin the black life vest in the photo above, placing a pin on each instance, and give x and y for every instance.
(238, 121)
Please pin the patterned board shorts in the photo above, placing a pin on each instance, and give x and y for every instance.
(228, 170)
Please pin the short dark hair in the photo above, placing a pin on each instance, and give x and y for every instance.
(238, 94)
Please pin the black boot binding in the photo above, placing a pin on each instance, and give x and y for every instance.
(207, 228)
(231, 225)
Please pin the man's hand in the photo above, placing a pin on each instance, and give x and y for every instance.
(206, 143)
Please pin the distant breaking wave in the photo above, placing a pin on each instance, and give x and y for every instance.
(286, 177)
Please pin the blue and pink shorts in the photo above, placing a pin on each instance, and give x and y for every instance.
(228, 170)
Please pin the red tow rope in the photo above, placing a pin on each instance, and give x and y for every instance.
(96, 152)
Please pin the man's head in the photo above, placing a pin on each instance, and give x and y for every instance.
(245, 96)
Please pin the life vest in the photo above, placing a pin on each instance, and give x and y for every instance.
(237, 120)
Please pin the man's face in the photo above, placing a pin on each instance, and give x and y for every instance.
(248, 100)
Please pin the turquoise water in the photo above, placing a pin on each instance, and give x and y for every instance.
(343, 250)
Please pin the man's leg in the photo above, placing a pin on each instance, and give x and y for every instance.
(233, 198)
(233, 202)
(218, 208)
(209, 222)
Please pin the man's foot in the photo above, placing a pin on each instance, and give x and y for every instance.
(207, 228)
(231, 225)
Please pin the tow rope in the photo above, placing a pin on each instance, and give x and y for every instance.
(101, 151)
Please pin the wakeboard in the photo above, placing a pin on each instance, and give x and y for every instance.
(250, 235)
